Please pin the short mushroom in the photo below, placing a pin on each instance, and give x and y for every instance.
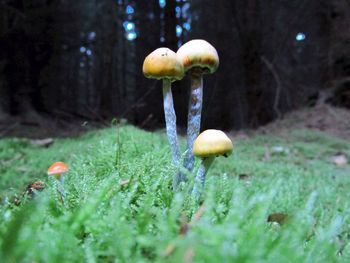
(164, 64)
(198, 57)
(58, 169)
(207, 146)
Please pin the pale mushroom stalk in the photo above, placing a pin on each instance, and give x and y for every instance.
(194, 115)
(199, 181)
(61, 179)
(60, 188)
(170, 123)
(198, 57)
(163, 64)
(57, 170)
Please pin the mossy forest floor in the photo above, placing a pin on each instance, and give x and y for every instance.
(278, 198)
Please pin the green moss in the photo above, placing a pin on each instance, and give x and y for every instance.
(106, 220)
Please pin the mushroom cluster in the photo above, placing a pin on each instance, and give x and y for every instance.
(195, 58)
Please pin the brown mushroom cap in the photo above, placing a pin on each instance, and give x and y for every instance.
(199, 53)
(212, 143)
(163, 63)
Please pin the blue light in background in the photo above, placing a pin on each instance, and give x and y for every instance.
(178, 30)
(129, 9)
(92, 35)
(130, 32)
(162, 3)
(131, 36)
(186, 26)
(178, 11)
(300, 36)
(89, 52)
(82, 49)
(128, 26)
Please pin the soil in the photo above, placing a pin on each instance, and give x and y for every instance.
(325, 118)
(329, 119)
(46, 127)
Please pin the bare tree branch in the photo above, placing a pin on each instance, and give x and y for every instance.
(12, 9)
(276, 77)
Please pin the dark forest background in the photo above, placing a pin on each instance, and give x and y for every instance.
(83, 59)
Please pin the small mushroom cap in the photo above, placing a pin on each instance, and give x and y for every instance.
(57, 168)
(212, 143)
(199, 53)
(163, 63)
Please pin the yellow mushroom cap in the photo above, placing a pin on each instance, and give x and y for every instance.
(163, 63)
(199, 53)
(212, 143)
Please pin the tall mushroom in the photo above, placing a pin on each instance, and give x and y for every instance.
(207, 146)
(164, 64)
(198, 57)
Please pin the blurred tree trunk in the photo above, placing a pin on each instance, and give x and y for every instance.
(148, 92)
(170, 25)
(251, 57)
(26, 48)
(337, 21)
(74, 58)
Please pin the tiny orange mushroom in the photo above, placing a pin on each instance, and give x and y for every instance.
(58, 169)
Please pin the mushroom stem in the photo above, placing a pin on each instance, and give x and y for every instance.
(200, 178)
(61, 179)
(59, 185)
(194, 116)
(170, 122)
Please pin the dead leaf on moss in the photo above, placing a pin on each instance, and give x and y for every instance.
(339, 160)
(280, 150)
(22, 170)
(189, 255)
(244, 177)
(33, 188)
(124, 182)
(197, 215)
(47, 142)
(16, 157)
(279, 218)
(37, 186)
(169, 250)
(184, 226)
(267, 154)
